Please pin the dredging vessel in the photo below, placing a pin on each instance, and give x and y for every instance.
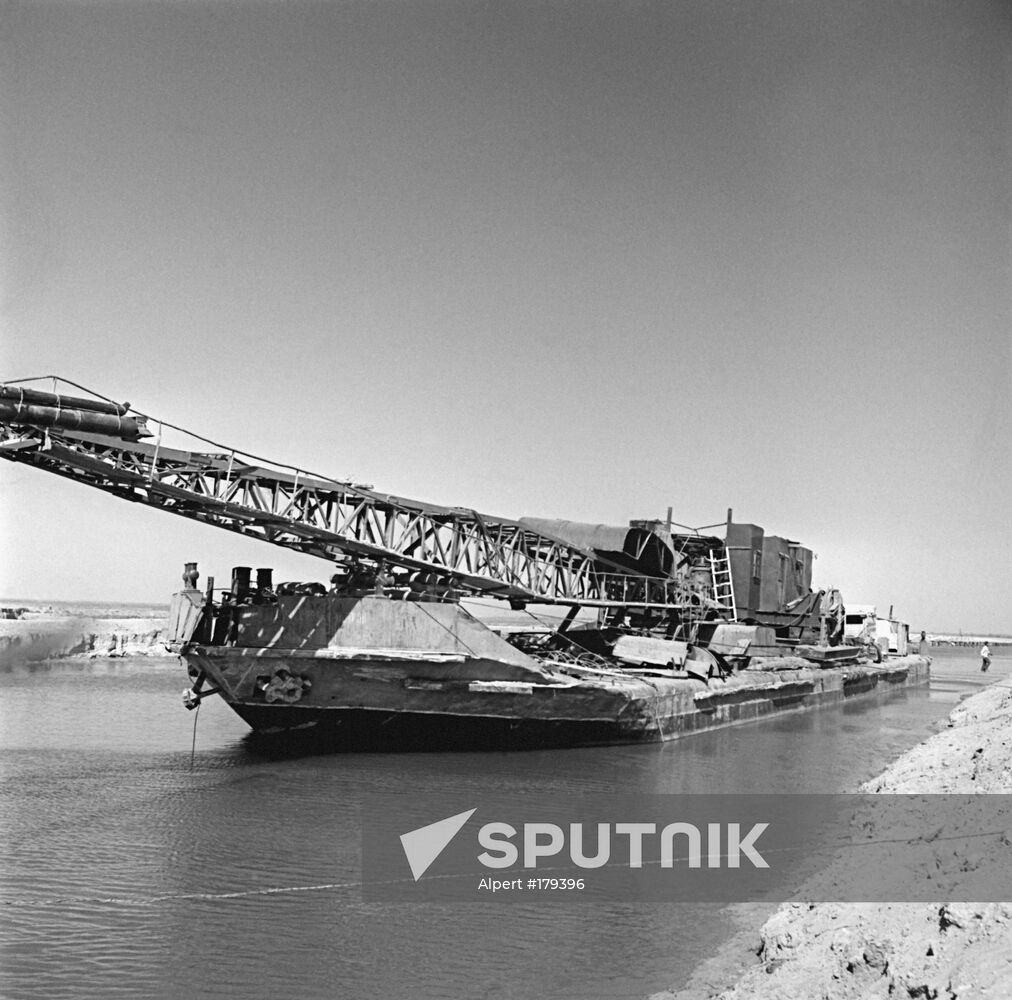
(442, 627)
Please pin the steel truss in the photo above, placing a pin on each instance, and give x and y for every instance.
(473, 553)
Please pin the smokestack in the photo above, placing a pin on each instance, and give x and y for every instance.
(240, 582)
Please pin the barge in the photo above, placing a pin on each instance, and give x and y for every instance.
(380, 672)
(657, 629)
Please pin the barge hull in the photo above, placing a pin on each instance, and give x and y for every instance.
(369, 673)
(365, 729)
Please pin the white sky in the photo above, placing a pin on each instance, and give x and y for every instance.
(567, 260)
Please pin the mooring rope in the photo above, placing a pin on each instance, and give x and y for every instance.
(193, 745)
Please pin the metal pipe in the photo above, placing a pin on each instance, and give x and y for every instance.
(90, 421)
(62, 402)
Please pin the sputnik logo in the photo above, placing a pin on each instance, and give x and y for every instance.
(424, 845)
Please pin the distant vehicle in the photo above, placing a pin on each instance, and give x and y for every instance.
(863, 624)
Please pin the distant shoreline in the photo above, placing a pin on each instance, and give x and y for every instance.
(42, 610)
(38, 636)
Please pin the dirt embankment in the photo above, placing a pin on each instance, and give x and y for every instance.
(38, 639)
(863, 951)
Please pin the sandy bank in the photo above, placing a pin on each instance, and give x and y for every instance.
(36, 639)
(838, 951)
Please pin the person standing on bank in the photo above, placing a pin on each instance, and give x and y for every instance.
(985, 658)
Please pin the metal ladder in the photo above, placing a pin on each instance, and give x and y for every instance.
(723, 584)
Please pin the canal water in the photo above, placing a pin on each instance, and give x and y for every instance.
(125, 873)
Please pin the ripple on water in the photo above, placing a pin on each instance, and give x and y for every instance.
(98, 802)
